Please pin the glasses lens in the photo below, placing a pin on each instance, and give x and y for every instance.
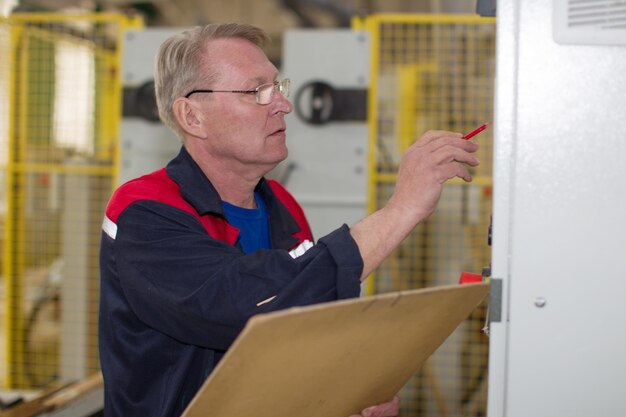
(284, 86)
(265, 92)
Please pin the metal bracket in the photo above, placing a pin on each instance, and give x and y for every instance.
(495, 300)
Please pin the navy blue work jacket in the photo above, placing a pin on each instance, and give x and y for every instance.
(176, 290)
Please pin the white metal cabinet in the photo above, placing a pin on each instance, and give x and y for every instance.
(559, 221)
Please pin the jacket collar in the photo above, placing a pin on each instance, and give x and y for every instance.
(195, 187)
(198, 191)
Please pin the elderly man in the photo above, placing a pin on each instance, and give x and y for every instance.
(190, 252)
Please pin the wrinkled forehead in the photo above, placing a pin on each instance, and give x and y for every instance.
(237, 60)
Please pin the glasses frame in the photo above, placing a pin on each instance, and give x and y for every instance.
(282, 86)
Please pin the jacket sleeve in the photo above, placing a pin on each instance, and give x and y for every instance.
(184, 283)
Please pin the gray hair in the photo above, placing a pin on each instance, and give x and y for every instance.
(178, 64)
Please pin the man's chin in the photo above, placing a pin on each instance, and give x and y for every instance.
(280, 170)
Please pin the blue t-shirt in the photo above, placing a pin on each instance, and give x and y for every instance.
(253, 225)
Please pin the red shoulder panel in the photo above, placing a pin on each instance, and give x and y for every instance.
(157, 186)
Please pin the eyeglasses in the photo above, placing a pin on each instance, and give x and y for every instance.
(264, 93)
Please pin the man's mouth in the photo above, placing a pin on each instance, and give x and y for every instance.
(279, 131)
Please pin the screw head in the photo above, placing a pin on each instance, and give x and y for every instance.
(540, 302)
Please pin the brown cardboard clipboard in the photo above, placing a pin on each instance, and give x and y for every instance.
(333, 359)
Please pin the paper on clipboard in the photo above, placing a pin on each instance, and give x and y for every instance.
(333, 359)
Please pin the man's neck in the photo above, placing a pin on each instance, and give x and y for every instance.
(234, 182)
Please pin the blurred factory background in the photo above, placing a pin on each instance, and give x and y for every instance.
(368, 77)
(77, 90)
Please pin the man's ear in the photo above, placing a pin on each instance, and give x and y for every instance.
(189, 117)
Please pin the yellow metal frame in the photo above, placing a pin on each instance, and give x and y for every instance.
(107, 130)
(13, 285)
(405, 53)
(372, 25)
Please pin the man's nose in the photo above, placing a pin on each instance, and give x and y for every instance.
(282, 103)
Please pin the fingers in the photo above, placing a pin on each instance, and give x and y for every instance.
(453, 170)
(433, 135)
(441, 147)
(388, 409)
(452, 153)
(446, 142)
(437, 149)
(452, 163)
(425, 166)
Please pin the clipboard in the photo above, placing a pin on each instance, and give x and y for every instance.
(333, 359)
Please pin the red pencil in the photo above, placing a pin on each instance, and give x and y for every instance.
(476, 131)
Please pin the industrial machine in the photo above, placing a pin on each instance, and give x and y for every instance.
(145, 144)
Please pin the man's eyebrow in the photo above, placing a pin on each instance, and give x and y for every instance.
(262, 80)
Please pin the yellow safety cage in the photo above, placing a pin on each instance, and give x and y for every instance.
(60, 101)
(435, 72)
